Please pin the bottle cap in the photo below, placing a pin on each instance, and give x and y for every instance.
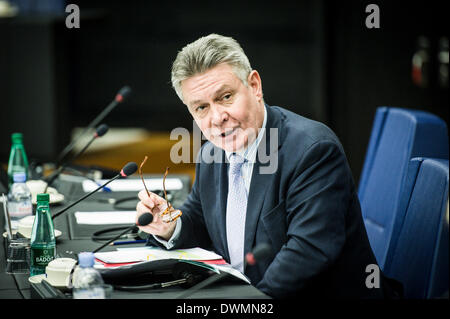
(43, 197)
(17, 137)
(19, 177)
(86, 259)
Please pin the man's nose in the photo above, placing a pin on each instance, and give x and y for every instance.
(219, 115)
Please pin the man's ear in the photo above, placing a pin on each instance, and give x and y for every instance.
(254, 82)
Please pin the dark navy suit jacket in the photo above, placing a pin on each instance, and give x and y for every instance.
(307, 210)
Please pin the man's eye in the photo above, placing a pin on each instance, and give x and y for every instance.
(200, 108)
(226, 97)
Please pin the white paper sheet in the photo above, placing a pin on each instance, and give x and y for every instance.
(106, 218)
(125, 255)
(134, 185)
(233, 272)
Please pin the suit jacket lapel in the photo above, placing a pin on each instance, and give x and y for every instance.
(255, 202)
(259, 183)
(221, 180)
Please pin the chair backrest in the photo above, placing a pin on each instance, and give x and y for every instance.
(420, 258)
(397, 136)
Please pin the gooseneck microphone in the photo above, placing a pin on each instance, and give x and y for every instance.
(99, 132)
(261, 252)
(120, 97)
(143, 220)
(127, 170)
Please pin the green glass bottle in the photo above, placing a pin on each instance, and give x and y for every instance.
(43, 243)
(18, 161)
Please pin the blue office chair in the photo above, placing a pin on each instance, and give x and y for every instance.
(420, 257)
(397, 136)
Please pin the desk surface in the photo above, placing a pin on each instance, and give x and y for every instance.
(67, 245)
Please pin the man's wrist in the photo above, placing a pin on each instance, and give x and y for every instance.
(170, 241)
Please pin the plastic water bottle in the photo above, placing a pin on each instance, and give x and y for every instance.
(18, 160)
(19, 200)
(87, 281)
(43, 243)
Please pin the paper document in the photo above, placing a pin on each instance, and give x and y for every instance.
(134, 185)
(233, 272)
(106, 218)
(147, 253)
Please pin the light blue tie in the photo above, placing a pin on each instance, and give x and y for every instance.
(236, 211)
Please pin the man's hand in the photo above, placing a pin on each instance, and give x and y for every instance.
(155, 205)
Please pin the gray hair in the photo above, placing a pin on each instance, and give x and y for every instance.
(206, 53)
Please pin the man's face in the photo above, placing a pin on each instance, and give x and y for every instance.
(227, 112)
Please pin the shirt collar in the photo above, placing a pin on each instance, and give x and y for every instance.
(249, 153)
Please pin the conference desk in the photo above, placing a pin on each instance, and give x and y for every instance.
(76, 239)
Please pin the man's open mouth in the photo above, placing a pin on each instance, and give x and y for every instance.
(227, 133)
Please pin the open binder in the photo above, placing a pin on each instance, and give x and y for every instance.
(157, 271)
(165, 272)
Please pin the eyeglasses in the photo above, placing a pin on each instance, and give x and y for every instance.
(170, 214)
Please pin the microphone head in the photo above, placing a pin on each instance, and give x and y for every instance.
(262, 251)
(123, 94)
(145, 219)
(101, 130)
(129, 169)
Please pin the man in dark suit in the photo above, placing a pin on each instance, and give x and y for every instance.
(266, 175)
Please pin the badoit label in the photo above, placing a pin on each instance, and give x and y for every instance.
(42, 256)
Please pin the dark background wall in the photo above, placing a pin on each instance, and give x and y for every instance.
(368, 68)
(316, 58)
